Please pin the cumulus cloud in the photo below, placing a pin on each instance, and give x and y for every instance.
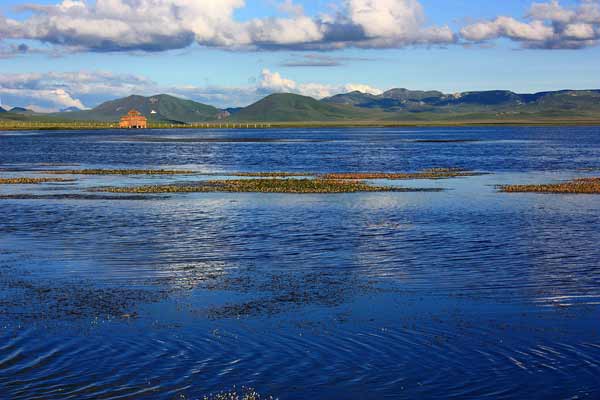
(547, 25)
(157, 25)
(358, 87)
(395, 22)
(86, 89)
(58, 90)
(273, 82)
(40, 100)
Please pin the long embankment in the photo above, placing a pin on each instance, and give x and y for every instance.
(76, 125)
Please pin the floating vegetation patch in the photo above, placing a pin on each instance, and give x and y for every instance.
(118, 172)
(433, 173)
(576, 186)
(271, 174)
(31, 181)
(37, 300)
(264, 186)
(243, 394)
(76, 196)
(282, 292)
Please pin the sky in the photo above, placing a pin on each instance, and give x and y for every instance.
(56, 54)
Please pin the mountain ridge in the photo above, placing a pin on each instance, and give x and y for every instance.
(398, 104)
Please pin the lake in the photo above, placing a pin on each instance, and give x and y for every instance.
(462, 293)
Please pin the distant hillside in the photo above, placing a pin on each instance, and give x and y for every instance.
(70, 109)
(395, 105)
(352, 99)
(282, 107)
(156, 108)
(406, 104)
(2, 110)
(20, 110)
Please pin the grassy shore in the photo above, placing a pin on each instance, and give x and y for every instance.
(31, 181)
(263, 186)
(576, 186)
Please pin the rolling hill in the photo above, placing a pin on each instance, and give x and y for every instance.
(404, 104)
(395, 105)
(288, 107)
(156, 108)
(20, 110)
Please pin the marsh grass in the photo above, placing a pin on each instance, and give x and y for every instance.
(271, 185)
(31, 181)
(118, 172)
(432, 173)
(575, 186)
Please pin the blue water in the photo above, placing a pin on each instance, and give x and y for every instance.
(464, 293)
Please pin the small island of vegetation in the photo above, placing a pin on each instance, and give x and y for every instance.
(575, 186)
(270, 185)
(31, 181)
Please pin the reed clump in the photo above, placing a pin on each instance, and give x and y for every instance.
(118, 172)
(31, 181)
(432, 173)
(575, 186)
(264, 186)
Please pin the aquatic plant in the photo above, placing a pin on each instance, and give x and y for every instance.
(575, 186)
(243, 394)
(432, 173)
(270, 185)
(118, 172)
(31, 181)
(270, 174)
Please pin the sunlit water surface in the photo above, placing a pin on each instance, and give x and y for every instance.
(464, 293)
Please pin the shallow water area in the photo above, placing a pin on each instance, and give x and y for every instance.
(462, 293)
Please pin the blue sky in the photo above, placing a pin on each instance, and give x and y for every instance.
(312, 47)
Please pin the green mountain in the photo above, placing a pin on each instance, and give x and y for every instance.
(20, 110)
(352, 99)
(156, 108)
(405, 104)
(283, 107)
(395, 105)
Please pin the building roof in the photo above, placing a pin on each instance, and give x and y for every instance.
(134, 113)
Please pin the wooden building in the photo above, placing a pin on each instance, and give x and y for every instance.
(133, 120)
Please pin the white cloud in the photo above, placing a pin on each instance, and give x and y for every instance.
(273, 82)
(353, 87)
(580, 31)
(157, 25)
(548, 25)
(46, 99)
(398, 21)
(510, 28)
(551, 11)
(291, 8)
